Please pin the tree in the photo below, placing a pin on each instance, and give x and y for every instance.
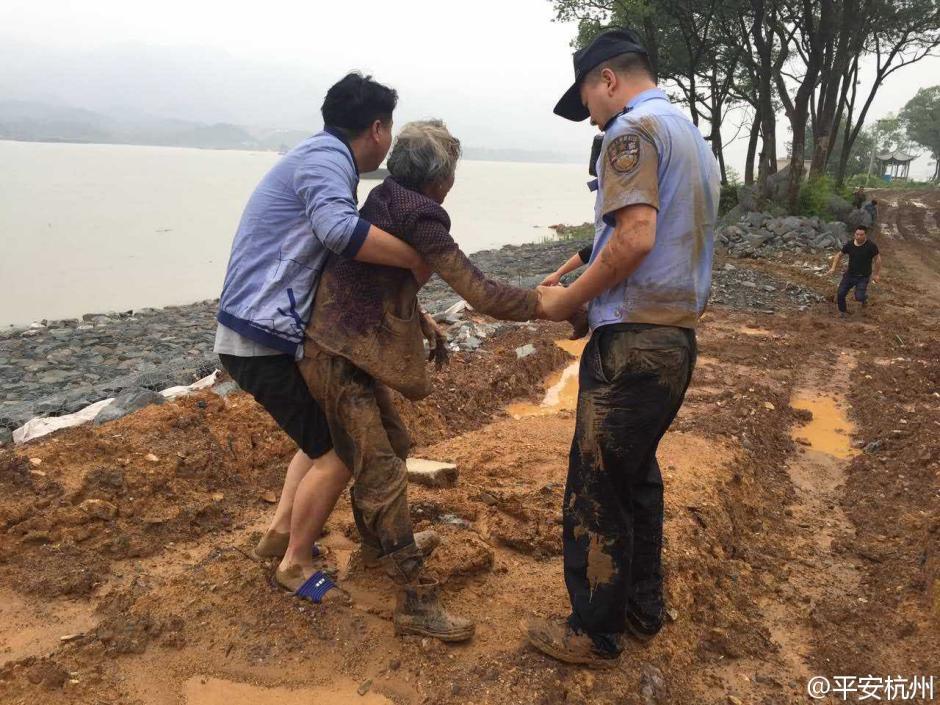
(902, 33)
(921, 120)
(860, 158)
(887, 135)
(807, 31)
(685, 49)
(804, 56)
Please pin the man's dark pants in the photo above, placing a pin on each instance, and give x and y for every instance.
(860, 284)
(633, 378)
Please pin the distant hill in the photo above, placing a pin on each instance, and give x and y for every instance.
(43, 122)
(34, 121)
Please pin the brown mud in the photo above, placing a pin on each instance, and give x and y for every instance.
(802, 530)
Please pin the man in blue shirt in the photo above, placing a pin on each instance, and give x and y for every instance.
(647, 283)
(303, 211)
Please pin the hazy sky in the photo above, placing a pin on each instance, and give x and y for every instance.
(492, 69)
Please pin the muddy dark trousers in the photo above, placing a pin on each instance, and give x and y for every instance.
(632, 380)
(849, 281)
(370, 438)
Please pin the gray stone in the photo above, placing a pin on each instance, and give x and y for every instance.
(759, 238)
(837, 229)
(454, 520)
(755, 220)
(70, 407)
(223, 389)
(747, 198)
(839, 207)
(792, 222)
(777, 226)
(653, 686)
(127, 403)
(452, 314)
(858, 217)
(55, 377)
(733, 215)
(777, 185)
(6, 436)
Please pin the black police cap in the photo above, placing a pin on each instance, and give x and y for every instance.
(606, 45)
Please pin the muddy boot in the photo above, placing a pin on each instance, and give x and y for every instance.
(419, 611)
(426, 541)
(642, 628)
(557, 639)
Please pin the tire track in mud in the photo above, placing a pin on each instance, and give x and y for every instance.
(818, 474)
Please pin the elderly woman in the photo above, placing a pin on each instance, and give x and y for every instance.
(367, 334)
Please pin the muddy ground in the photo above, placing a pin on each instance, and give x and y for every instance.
(802, 529)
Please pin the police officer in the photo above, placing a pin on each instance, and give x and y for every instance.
(646, 285)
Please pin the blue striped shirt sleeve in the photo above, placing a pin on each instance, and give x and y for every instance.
(326, 188)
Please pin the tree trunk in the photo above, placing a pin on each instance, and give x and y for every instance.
(768, 125)
(800, 109)
(752, 149)
(834, 87)
(718, 148)
(847, 141)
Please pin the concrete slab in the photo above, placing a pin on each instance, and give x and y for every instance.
(431, 473)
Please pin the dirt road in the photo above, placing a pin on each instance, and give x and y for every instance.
(802, 527)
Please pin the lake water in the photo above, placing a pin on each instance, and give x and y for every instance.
(89, 228)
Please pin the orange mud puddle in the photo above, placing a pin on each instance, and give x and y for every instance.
(830, 430)
(201, 690)
(561, 388)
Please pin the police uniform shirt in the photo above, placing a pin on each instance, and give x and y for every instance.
(652, 154)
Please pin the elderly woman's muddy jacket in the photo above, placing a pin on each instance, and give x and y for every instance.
(369, 313)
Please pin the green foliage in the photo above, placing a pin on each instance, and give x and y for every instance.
(728, 198)
(867, 181)
(585, 231)
(873, 181)
(921, 119)
(816, 194)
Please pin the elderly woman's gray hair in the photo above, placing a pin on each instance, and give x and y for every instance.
(425, 152)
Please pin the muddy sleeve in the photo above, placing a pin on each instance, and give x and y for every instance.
(434, 243)
(629, 173)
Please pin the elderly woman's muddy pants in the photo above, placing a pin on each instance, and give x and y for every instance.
(632, 379)
(368, 435)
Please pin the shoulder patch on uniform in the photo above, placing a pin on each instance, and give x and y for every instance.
(623, 153)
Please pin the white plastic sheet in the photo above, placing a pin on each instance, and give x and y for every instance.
(35, 428)
(39, 427)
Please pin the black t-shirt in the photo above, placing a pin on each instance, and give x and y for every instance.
(585, 253)
(860, 257)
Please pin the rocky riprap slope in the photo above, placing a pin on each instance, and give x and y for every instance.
(764, 235)
(58, 367)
